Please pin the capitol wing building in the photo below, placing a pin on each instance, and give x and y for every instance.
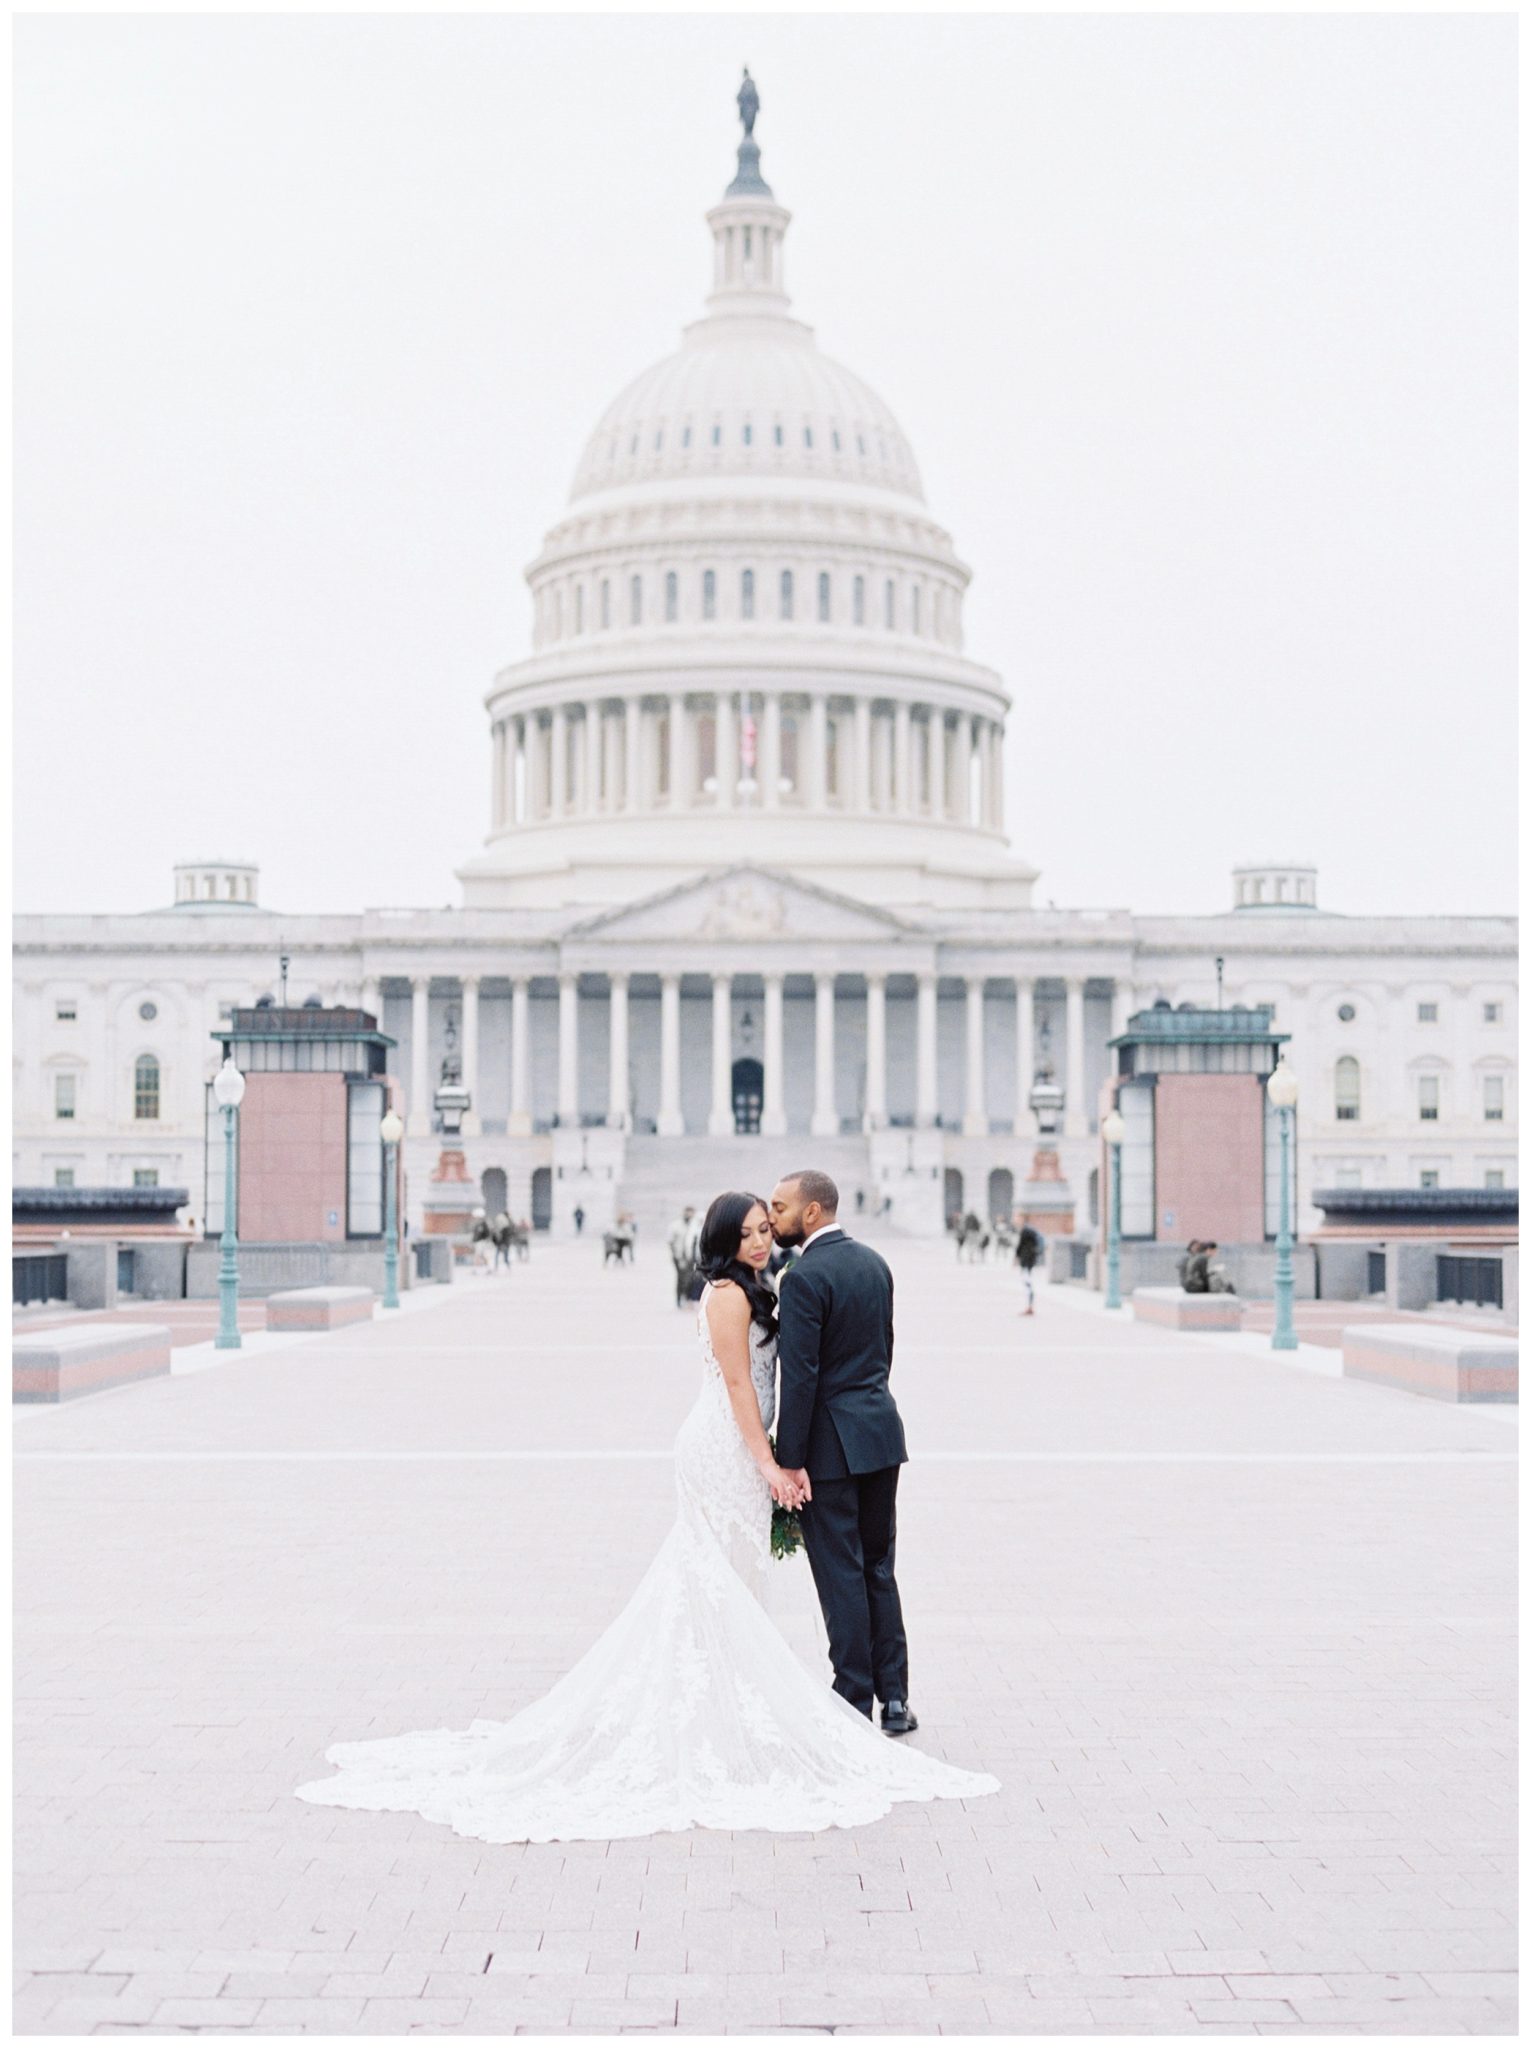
(746, 901)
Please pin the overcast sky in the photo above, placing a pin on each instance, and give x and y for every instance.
(1201, 329)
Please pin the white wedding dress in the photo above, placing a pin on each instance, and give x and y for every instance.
(691, 1710)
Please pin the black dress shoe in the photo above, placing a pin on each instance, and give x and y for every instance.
(898, 1718)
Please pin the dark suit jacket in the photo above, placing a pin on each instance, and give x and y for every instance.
(836, 1415)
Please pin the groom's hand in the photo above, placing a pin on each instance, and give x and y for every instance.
(802, 1485)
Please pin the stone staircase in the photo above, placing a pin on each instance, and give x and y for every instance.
(661, 1175)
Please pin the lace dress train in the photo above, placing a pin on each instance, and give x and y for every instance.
(690, 1710)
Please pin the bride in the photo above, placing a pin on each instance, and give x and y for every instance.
(692, 1709)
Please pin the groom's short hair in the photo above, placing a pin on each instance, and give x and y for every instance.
(814, 1186)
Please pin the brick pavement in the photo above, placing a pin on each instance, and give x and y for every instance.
(1235, 1635)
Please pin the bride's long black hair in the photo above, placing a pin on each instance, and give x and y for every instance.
(717, 1253)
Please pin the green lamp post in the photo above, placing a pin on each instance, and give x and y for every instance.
(1282, 1090)
(228, 1093)
(392, 1130)
(1113, 1129)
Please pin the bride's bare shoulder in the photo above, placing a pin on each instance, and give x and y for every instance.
(726, 1302)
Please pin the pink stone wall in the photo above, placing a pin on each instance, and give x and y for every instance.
(1208, 1157)
(292, 1159)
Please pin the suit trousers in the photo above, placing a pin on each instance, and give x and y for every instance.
(848, 1530)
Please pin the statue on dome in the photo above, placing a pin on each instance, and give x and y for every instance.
(749, 102)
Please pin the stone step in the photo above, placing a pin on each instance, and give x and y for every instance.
(660, 1176)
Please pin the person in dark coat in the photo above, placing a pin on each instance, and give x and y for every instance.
(839, 1431)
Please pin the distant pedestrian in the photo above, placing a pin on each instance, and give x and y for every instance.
(502, 1236)
(1028, 1250)
(579, 1221)
(682, 1241)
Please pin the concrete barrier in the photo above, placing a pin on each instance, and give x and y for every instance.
(1443, 1365)
(318, 1308)
(86, 1358)
(1173, 1309)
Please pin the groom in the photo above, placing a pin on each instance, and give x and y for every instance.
(838, 1430)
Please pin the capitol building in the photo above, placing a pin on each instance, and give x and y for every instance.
(746, 901)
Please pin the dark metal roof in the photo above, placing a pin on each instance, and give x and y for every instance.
(100, 1204)
(1236, 1025)
(1424, 1205)
(301, 1022)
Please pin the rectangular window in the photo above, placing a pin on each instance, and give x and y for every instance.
(64, 1010)
(709, 594)
(63, 1097)
(1429, 1098)
(1347, 1176)
(1493, 1177)
(887, 604)
(1493, 1013)
(1429, 1177)
(364, 1161)
(1428, 1013)
(1493, 1098)
(63, 1177)
(146, 1176)
(823, 597)
(786, 593)
(747, 594)
(859, 601)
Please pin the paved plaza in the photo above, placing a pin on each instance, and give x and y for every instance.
(1235, 1633)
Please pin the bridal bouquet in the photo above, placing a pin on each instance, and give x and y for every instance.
(786, 1524)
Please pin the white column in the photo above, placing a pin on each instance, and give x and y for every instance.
(558, 778)
(670, 1121)
(975, 1114)
(473, 1122)
(497, 796)
(773, 1112)
(903, 761)
(592, 791)
(536, 785)
(938, 790)
(420, 1056)
(1121, 1007)
(1076, 1116)
(371, 999)
(616, 1091)
(861, 766)
(926, 1095)
(877, 1052)
(826, 1122)
(769, 766)
(815, 769)
(997, 776)
(632, 773)
(680, 755)
(720, 1121)
(725, 748)
(568, 1050)
(520, 1121)
(1025, 1052)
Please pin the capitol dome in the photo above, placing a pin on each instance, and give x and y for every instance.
(748, 398)
(746, 608)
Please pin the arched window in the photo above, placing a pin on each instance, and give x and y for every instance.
(747, 594)
(887, 604)
(780, 437)
(671, 597)
(635, 600)
(786, 593)
(749, 433)
(717, 434)
(605, 602)
(685, 435)
(807, 437)
(146, 1087)
(859, 601)
(709, 594)
(579, 607)
(914, 609)
(823, 597)
(1347, 1089)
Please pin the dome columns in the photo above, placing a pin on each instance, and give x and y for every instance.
(818, 752)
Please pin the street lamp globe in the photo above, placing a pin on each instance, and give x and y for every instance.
(1113, 1127)
(229, 1085)
(392, 1127)
(1282, 1087)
